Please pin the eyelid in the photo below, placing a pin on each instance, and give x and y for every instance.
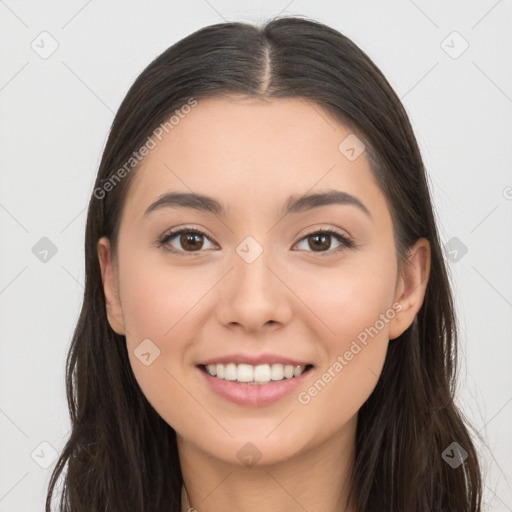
(316, 228)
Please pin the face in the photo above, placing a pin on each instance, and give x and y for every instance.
(256, 280)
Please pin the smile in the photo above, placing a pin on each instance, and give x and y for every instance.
(261, 389)
(255, 374)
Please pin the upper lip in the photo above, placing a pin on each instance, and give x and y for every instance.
(254, 360)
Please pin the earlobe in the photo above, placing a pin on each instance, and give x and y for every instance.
(113, 304)
(411, 287)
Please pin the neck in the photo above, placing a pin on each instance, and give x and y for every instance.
(314, 479)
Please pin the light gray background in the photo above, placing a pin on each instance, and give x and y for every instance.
(55, 114)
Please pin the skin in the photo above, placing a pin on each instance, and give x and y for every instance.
(292, 300)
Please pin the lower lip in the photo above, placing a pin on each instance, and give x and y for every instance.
(254, 395)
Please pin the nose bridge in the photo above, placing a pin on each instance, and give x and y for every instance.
(254, 295)
(251, 263)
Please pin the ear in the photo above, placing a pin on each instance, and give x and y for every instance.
(110, 289)
(411, 287)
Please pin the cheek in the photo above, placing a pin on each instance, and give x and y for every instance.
(158, 299)
(162, 303)
(341, 387)
(355, 311)
(348, 300)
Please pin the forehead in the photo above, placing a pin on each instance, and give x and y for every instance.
(237, 128)
(248, 151)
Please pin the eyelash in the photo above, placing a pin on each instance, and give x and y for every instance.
(346, 243)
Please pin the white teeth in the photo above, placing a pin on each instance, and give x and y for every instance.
(259, 374)
(230, 372)
(297, 371)
(244, 372)
(288, 371)
(277, 372)
(262, 373)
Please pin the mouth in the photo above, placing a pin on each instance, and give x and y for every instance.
(267, 384)
(255, 375)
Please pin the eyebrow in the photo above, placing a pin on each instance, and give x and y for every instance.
(293, 205)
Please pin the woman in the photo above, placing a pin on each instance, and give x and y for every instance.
(267, 321)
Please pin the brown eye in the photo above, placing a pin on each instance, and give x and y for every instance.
(191, 241)
(320, 241)
(184, 240)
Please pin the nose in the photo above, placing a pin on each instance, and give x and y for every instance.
(254, 294)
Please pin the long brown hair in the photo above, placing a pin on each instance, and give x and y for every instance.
(121, 455)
